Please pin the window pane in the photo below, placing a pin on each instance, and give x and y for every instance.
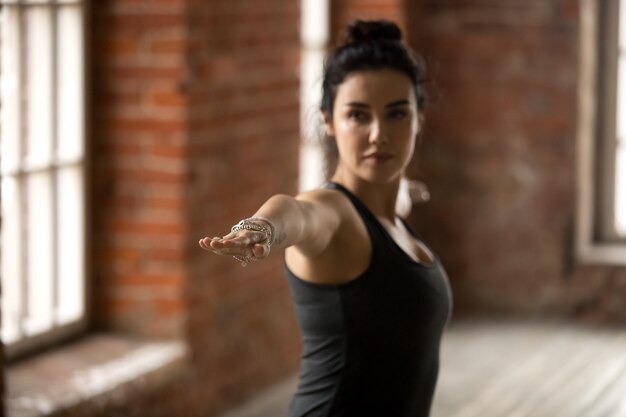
(620, 161)
(70, 211)
(622, 17)
(620, 190)
(39, 85)
(621, 75)
(9, 122)
(621, 100)
(70, 83)
(11, 247)
(39, 252)
(314, 23)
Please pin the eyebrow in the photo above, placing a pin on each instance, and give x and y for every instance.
(402, 102)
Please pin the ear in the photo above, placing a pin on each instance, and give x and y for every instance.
(328, 124)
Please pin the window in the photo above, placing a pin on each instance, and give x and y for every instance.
(42, 94)
(314, 35)
(601, 231)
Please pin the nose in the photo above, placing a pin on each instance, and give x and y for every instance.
(378, 133)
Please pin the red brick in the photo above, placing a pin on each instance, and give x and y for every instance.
(149, 280)
(168, 46)
(166, 72)
(124, 254)
(147, 229)
(119, 47)
(167, 98)
(143, 124)
(169, 306)
(136, 22)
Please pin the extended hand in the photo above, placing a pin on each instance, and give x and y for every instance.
(246, 245)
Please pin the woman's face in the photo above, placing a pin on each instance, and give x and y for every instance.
(375, 123)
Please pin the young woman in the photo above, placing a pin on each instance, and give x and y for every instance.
(371, 298)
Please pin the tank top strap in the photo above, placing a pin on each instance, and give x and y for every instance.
(371, 222)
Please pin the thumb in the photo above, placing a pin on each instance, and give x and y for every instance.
(260, 250)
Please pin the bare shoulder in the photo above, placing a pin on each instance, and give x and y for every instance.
(321, 194)
(324, 211)
(339, 255)
(326, 199)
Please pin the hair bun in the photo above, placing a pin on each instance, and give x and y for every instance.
(373, 30)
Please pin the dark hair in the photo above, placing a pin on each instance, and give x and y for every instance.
(373, 44)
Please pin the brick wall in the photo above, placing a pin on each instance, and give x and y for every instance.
(499, 154)
(243, 87)
(139, 172)
(194, 124)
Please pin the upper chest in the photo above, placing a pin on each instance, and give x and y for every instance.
(407, 242)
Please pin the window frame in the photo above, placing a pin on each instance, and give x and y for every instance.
(596, 239)
(55, 164)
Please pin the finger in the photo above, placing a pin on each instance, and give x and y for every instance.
(204, 243)
(225, 251)
(238, 240)
(233, 243)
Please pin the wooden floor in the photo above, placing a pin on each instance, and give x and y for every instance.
(532, 370)
(512, 370)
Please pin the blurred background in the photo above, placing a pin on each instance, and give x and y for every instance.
(132, 128)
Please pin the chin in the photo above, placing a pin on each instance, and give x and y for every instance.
(381, 178)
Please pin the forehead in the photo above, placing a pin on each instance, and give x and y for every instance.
(375, 87)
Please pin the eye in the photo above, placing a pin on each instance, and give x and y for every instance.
(357, 115)
(398, 114)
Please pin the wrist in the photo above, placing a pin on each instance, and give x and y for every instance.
(268, 224)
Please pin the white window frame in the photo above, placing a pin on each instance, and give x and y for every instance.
(44, 173)
(597, 239)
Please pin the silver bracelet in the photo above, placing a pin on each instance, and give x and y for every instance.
(243, 259)
(247, 224)
(270, 224)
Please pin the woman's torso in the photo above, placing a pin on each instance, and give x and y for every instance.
(371, 344)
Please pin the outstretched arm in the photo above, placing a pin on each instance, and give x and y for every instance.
(308, 221)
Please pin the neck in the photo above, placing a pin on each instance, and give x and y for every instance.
(380, 198)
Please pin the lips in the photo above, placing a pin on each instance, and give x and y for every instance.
(378, 157)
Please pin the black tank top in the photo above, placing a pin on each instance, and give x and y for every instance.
(371, 345)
